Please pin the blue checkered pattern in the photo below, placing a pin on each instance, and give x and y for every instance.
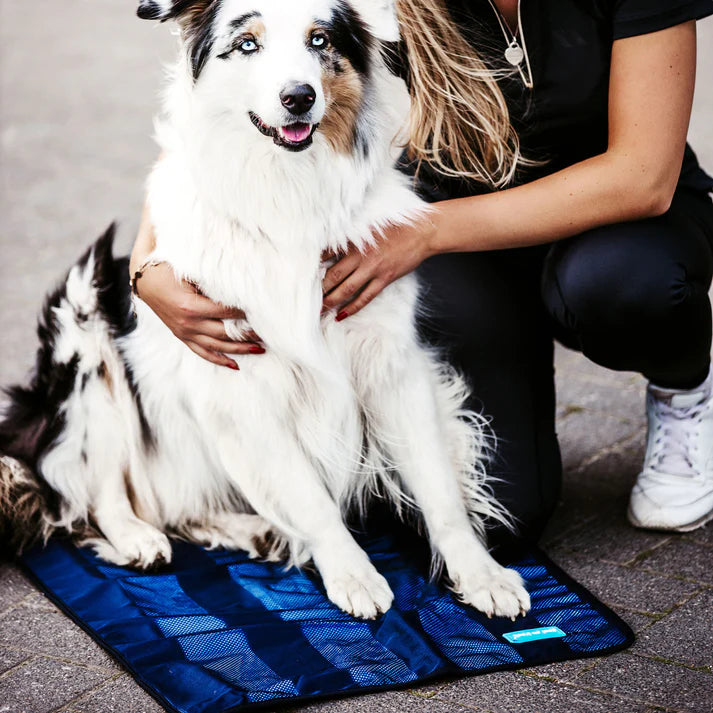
(220, 632)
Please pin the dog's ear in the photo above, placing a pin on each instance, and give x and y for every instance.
(195, 19)
(155, 9)
(381, 17)
(165, 9)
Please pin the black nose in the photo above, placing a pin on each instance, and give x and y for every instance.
(297, 98)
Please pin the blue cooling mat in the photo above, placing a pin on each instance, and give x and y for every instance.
(218, 632)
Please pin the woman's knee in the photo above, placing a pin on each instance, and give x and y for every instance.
(608, 280)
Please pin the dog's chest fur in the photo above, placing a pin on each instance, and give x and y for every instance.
(250, 231)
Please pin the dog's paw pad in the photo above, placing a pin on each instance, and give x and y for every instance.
(144, 547)
(156, 565)
(494, 590)
(364, 595)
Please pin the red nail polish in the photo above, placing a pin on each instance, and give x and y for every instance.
(342, 315)
(233, 366)
(256, 350)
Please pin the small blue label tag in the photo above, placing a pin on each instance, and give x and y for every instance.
(525, 635)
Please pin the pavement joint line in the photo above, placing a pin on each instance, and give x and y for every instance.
(645, 554)
(531, 673)
(415, 694)
(672, 662)
(635, 384)
(86, 694)
(615, 447)
(570, 409)
(467, 706)
(702, 586)
(593, 663)
(665, 612)
(602, 691)
(677, 605)
(616, 605)
(654, 616)
(611, 694)
(585, 669)
(44, 606)
(627, 565)
(666, 575)
(424, 696)
(80, 664)
(678, 577)
(688, 537)
(59, 659)
(12, 607)
(18, 666)
(649, 624)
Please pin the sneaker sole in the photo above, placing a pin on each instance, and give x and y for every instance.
(688, 527)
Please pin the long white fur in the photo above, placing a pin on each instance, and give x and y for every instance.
(284, 437)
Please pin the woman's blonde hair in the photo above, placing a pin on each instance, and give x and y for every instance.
(459, 121)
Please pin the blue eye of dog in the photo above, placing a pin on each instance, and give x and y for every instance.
(319, 42)
(248, 46)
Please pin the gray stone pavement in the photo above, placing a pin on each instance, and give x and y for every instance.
(78, 84)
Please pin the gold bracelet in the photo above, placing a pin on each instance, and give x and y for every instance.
(133, 282)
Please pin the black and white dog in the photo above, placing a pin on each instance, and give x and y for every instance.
(276, 139)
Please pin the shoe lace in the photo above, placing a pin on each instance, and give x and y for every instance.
(675, 439)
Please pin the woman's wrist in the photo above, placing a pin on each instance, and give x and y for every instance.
(144, 244)
(435, 238)
(136, 274)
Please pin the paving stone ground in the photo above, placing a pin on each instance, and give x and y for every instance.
(78, 81)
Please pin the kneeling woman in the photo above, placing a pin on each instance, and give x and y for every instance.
(551, 140)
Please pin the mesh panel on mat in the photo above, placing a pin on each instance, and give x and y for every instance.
(229, 654)
(218, 631)
(462, 640)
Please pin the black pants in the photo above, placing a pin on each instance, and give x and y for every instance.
(631, 296)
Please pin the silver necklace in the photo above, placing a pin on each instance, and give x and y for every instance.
(515, 53)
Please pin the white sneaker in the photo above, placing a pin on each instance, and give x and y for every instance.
(674, 491)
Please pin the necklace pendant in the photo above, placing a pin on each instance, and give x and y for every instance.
(514, 54)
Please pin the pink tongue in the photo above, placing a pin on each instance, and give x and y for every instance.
(296, 132)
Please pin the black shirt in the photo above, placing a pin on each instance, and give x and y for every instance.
(563, 118)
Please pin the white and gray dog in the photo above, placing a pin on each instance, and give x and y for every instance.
(276, 138)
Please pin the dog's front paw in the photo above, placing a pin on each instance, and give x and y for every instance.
(364, 594)
(151, 551)
(492, 589)
(134, 544)
(239, 531)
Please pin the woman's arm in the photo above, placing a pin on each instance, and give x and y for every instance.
(193, 318)
(650, 96)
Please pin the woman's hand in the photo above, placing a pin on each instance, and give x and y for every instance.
(193, 318)
(356, 278)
